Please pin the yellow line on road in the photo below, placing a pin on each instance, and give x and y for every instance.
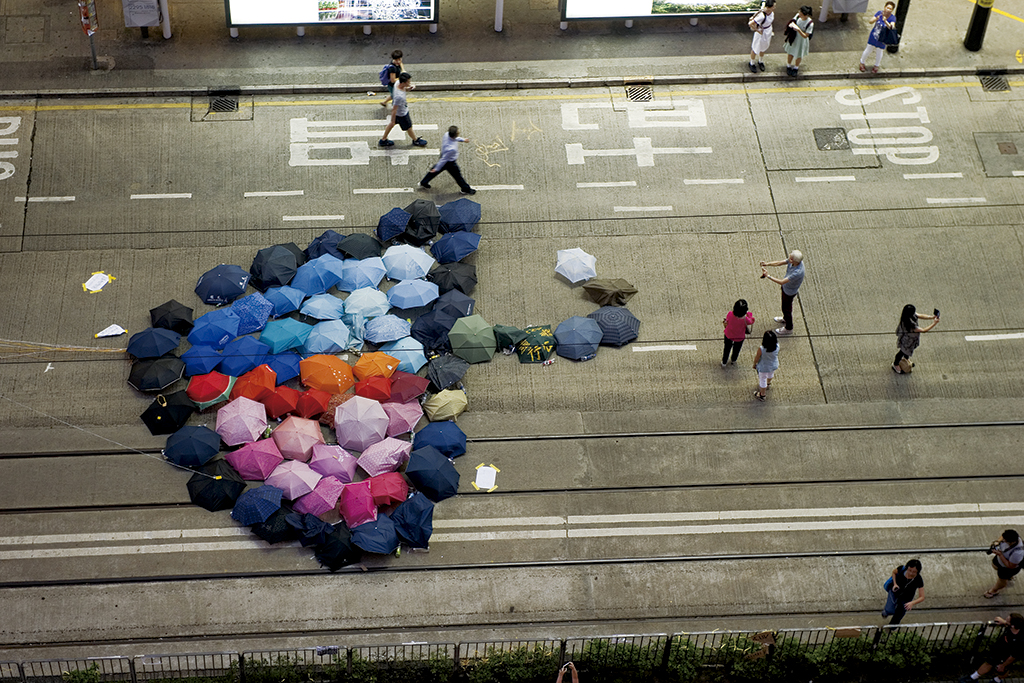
(999, 11)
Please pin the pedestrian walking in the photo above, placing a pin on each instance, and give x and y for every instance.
(738, 324)
(883, 20)
(900, 589)
(798, 39)
(908, 337)
(568, 667)
(761, 25)
(389, 75)
(766, 362)
(400, 114)
(448, 161)
(1007, 553)
(790, 286)
(1005, 650)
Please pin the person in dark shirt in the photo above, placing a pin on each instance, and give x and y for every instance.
(900, 588)
(1005, 650)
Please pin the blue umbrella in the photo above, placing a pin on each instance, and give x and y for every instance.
(386, 328)
(317, 276)
(242, 355)
(412, 293)
(284, 299)
(444, 436)
(455, 303)
(455, 246)
(330, 337)
(432, 474)
(192, 446)
(405, 262)
(367, 272)
(253, 312)
(323, 307)
(200, 360)
(431, 329)
(286, 333)
(379, 536)
(392, 224)
(256, 505)
(215, 328)
(577, 337)
(153, 342)
(356, 323)
(414, 520)
(285, 365)
(327, 243)
(367, 302)
(222, 284)
(462, 214)
(409, 352)
(618, 325)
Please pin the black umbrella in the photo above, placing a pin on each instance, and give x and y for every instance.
(431, 329)
(300, 254)
(167, 414)
(222, 284)
(446, 370)
(455, 303)
(172, 316)
(337, 550)
(359, 246)
(449, 276)
(276, 528)
(618, 325)
(273, 267)
(216, 486)
(155, 374)
(311, 529)
(327, 243)
(423, 224)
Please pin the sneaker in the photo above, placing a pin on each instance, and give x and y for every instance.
(723, 364)
(779, 319)
(758, 396)
(760, 65)
(419, 142)
(469, 191)
(385, 143)
(782, 330)
(752, 67)
(896, 369)
(425, 186)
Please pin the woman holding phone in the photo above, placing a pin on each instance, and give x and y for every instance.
(908, 337)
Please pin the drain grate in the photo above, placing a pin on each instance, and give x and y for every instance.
(223, 104)
(828, 139)
(1006, 147)
(994, 83)
(639, 93)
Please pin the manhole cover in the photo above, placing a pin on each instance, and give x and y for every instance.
(639, 93)
(828, 139)
(1006, 147)
(994, 83)
(223, 104)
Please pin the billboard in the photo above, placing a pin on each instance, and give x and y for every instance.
(312, 12)
(640, 9)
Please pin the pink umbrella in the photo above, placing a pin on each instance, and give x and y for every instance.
(255, 460)
(323, 498)
(333, 461)
(360, 422)
(241, 421)
(296, 437)
(388, 488)
(402, 417)
(356, 504)
(385, 456)
(294, 478)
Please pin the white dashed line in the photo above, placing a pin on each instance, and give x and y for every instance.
(955, 200)
(622, 209)
(826, 179)
(994, 337)
(931, 176)
(182, 195)
(719, 181)
(667, 347)
(623, 183)
(382, 190)
(282, 193)
(1018, 174)
(312, 218)
(22, 200)
(497, 187)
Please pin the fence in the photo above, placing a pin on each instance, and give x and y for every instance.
(874, 653)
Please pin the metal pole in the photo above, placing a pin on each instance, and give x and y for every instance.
(901, 16)
(92, 49)
(165, 19)
(979, 22)
(499, 11)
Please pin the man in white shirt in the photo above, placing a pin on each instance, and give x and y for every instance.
(1008, 553)
(447, 162)
(400, 114)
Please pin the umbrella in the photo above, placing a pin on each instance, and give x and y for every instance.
(284, 299)
(445, 405)
(367, 272)
(323, 498)
(538, 345)
(432, 474)
(328, 337)
(356, 323)
(273, 267)
(455, 246)
(409, 353)
(326, 243)
(618, 325)
(376, 363)
(386, 328)
(472, 339)
(376, 387)
(507, 336)
(155, 374)
(215, 328)
(296, 436)
(367, 302)
(286, 333)
(200, 360)
(316, 276)
(153, 342)
(384, 456)
(412, 293)
(285, 365)
(255, 460)
(240, 421)
(192, 446)
(242, 355)
(359, 423)
(215, 486)
(356, 504)
(256, 505)
(359, 246)
(392, 224)
(378, 536)
(256, 384)
(294, 478)
(327, 373)
(311, 403)
(614, 292)
(327, 418)
(444, 436)
(577, 338)
(455, 303)
(388, 488)
(281, 402)
(172, 315)
(423, 224)
(222, 284)
(405, 386)
(253, 312)
(462, 214)
(449, 276)
(446, 370)
(333, 462)
(575, 265)
(402, 417)
(167, 414)
(405, 262)
(209, 389)
(312, 530)
(431, 329)
(276, 529)
(323, 307)
(414, 520)
(336, 551)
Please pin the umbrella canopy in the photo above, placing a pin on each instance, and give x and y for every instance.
(276, 528)
(455, 303)
(240, 421)
(356, 504)
(367, 302)
(209, 389)
(255, 460)
(333, 462)
(577, 337)
(392, 224)
(316, 276)
(431, 329)
(406, 262)
(200, 360)
(253, 312)
(323, 307)
(402, 417)
(423, 223)
(386, 328)
(155, 374)
(445, 405)
(168, 413)
(273, 267)
(356, 274)
(326, 243)
(538, 345)
(412, 293)
(375, 364)
(378, 536)
(388, 488)
(257, 384)
(360, 246)
(294, 478)
(327, 373)
(376, 387)
(507, 336)
(462, 214)
(414, 520)
(153, 342)
(312, 403)
(446, 370)
(327, 419)
(455, 246)
(215, 486)
(215, 328)
(328, 337)
(285, 365)
(360, 423)
(384, 456)
(432, 474)
(356, 323)
(284, 299)
(472, 339)
(444, 436)
(222, 284)
(242, 355)
(312, 530)
(281, 402)
(405, 386)
(192, 446)
(337, 550)
(575, 265)
(172, 315)
(611, 292)
(409, 353)
(449, 276)
(323, 498)
(256, 505)
(286, 333)
(296, 436)
(618, 325)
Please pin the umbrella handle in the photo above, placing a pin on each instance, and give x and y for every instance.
(161, 400)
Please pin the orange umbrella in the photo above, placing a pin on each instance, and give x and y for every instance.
(376, 387)
(327, 373)
(373, 364)
(312, 403)
(281, 402)
(257, 384)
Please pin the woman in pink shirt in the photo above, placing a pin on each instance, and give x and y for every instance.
(738, 324)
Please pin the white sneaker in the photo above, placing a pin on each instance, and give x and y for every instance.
(779, 319)
(782, 330)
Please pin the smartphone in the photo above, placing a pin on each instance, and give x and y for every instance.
(936, 312)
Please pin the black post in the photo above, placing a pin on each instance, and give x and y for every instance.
(92, 49)
(901, 17)
(979, 22)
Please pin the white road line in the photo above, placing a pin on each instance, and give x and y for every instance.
(826, 179)
(499, 521)
(994, 337)
(622, 209)
(312, 218)
(668, 347)
(282, 193)
(930, 176)
(113, 536)
(955, 200)
(621, 183)
(498, 536)
(22, 200)
(382, 190)
(719, 181)
(180, 195)
(498, 187)
(1018, 174)
(65, 552)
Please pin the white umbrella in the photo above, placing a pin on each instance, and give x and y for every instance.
(575, 265)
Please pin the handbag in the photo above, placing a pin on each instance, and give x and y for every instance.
(906, 366)
(888, 36)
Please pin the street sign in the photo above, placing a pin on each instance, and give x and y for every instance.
(87, 8)
(139, 13)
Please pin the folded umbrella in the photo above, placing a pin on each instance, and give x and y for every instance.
(431, 329)
(388, 488)
(367, 302)
(155, 374)
(472, 339)
(412, 294)
(312, 530)
(405, 386)
(409, 353)
(215, 328)
(618, 325)
(200, 360)
(255, 460)
(432, 474)
(192, 446)
(286, 333)
(359, 423)
(285, 365)
(461, 214)
(323, 498)
(375, 363)
(172, 315)
(414, 520)
(256, 505)
(209, 389)
(333, 462)
(449, 276)
(360, 246)
(392, 224)
(222, 284)
(445, 405)
(294, 478)
(356, 504)
(455, 303)
(402, 417)
(273, 267)
(256, 384)
(374, 387)
(455, 246)
(386, 328)
(326, 243)
(336, 550)
(609, 292)
(153, 342)
(253, 312)
(281, 402)
(242, 355)
(378, 536)
(575, 265)
(296, 436)
(284, 299)
(215, 486)
(359, 273)
(423, 223)
(446, 437)
(240, 421)
(312, 403)
(446, 370)
(327, 373)
(168, 413)
(384, 456)
(577, 337)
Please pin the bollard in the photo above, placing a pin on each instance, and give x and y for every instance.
(979, 22)
(901, 17)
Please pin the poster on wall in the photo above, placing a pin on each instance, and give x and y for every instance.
(639, 9)
(310, 12)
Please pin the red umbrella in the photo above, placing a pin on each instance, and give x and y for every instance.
(255, 460)
(406, 386)
(388, 488)
(281, 402)
(356, 504)
(333, 461)
(373, 364)
(206, 390)
(312, 403)
(376, 387)
(296, 436)
(256, 384)
(402, 417)
(323, 498)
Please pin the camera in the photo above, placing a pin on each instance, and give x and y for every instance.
(992, 549)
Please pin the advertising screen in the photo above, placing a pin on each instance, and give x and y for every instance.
(638, 9)
(310, 12)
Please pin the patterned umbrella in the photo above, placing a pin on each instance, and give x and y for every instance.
(462, 214)
(384, 456)
(359, 423)
(405, 386)
(294, 478)
(256, 505)
(378, 536)
(255, 460)
(373, 364)
(240, 421)
(256, 384)
(327, 373)
(356, 504)
(209, 389)
(388, 488)
(618, 325)
(386, 328)
(253, 312)
(406, 262)
(323, 498)
(333, 461)
(215, 486)
(402, 417)
(392, 224)
(296, 436)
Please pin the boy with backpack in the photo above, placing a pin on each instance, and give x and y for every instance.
(389, 75)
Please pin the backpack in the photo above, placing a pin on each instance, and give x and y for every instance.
(385, 75)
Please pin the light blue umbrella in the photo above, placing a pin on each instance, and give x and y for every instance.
(286, 333)
(253, 312)
(330, 337)
(242, 355)
(284, 299)
(462, 214)
(317, 276)
(455, 246)
(356, 274)
(215, 328)
(412, 293)
(392, 224)
(368, 302)
(323, 307)
(409, 353)
(386, 328)
(356, 325)
(405, 262)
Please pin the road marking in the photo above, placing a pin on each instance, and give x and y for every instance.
(955, 200)
(22, 200)
(826, 179)
(312, 218)
(994, 337)
(282, 193)
(113, 536)
(622, 209)
(623, 183)
(381, 190)
(499, 521)
(667, 347)
(181, 195)
(719, 181)
(173, 548)
(931, 176)
(1018, 173)
(498, 187)
(643, 150)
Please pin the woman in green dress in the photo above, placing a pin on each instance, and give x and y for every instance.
(798, 39)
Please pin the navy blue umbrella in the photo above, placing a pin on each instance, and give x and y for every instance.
(242, 355)
(172, 316)
(253, 313)
(444, 436)
(462, 214)
(455, 246)
(455, 303)
(216, 486)
(378, 536)
(215, 329)
(312, 530)
(618, 325)
(153, 342)
(200, 360)
(432, 473)
(192, 446)
(222, 284)
(414, 520)
(392, 224)
(577, 337)
(256, 505)
(431, 329)
(327, 243)
(286, 365)
(273, 267)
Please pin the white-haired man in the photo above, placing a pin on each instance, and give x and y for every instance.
(790, 286)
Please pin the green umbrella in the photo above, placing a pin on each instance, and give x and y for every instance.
(538, 345)
(507, 336)
(472, 339)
